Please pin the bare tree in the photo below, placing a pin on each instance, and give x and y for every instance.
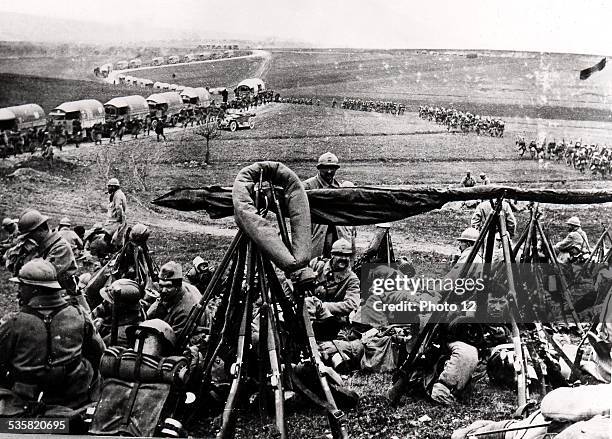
(209, 130)
(105, 158)
(140, 159)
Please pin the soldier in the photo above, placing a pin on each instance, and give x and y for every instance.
(76, 132)
(485, 208)
(176, 297)
(466, 242)
(485, 180)
(159, 130)
(574, 248)
(70, 235)
(337, 291)
(47, 151)
(136, 127)
(324, 236)
(200, 274)
(120, 309)
(50, 349)
(49, 246)
(116, 214)
(468, 181)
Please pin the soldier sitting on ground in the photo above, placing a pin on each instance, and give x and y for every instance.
(176, 297)
(70, 235)
(200, 274)
(574, 248)
(468, 181)
(50, 349)
(337, 291)
(120, 309)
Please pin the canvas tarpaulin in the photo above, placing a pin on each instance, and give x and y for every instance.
(369, 205)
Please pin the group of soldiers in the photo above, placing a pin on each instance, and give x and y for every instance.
(466, 122)
(59, 344)
(300, 101)
(581, 156)
(388, 107)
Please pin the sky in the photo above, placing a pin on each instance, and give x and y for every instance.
(573, 26)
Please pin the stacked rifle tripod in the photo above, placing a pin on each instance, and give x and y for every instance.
(532, 249)
(246, 280)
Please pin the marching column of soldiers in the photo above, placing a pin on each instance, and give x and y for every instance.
(575, 154)
(466, 122)
(63, 348)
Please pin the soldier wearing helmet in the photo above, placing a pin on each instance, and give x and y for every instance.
(323, 236)
(574, 248)
(64, 230)
(200, 274)
(176, 297)
(116, 214)
(484, 179)
(50, 349)
(337, 292)
(466, 241)
(34, 228)
(120, 308)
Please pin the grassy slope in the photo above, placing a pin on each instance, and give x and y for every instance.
(51, 92)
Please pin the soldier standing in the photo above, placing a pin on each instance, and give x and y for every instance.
(116, 212)
(76, 132)
(323, 236)
(468, 181)
(49, 348)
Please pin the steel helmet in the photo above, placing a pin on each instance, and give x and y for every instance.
(171, 271)
(38, 272)
(139, 233)
(328, 160)
(31, 220)
(154, 326)
(342, 247)
(7, 222)
(65, 222)
(483, 175)
(113, 182)
(470, 234)
(574, 221)
(347, 183)
(124, 291)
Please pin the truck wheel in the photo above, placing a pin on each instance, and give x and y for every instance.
(90, 135)
(173, 120)
(154, 124)
(251, 124)
(233, 126)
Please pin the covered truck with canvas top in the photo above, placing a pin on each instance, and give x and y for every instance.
(88, 112)
(249, 88)
(22, 117)
(126, 108)
(165, 107)
(198, 96)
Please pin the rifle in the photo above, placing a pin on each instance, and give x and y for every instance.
(196, 312)
(521, 374)
(239, 368)
(334, 415)
(433, 325)
(273, 344)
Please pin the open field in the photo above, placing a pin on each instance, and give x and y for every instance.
(373, 149)
(51, 92)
